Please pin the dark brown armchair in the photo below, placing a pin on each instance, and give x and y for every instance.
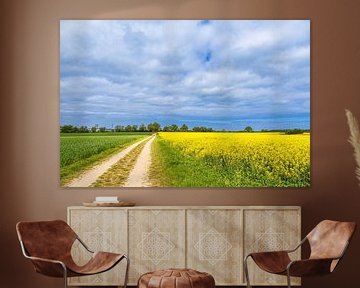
(48, 245)
(328, 242)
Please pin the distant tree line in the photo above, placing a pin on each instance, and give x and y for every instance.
(156, 127)
(288, 131)
(75, 129)
(296, 131)
(151, 127)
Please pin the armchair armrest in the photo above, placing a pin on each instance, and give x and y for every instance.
(49, 267)
(280, 252)
(83, 244)
(314, 266)
(298, 246)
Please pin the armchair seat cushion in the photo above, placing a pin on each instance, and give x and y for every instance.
(99, 262)
(272, 262)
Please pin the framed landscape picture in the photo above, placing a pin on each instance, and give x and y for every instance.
(185, 103)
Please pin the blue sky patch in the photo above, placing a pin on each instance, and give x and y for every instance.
(204, 22)
(208, 56)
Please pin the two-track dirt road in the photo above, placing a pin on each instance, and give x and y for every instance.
(138, 176)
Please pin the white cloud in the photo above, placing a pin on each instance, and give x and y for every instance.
(223, 69)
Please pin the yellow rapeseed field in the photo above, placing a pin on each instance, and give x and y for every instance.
(255, 159)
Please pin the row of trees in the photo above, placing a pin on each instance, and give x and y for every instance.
(288, 131)
(81, 129)
(156, 127)
(151, 127)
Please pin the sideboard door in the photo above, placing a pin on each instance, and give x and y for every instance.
(101, 230)
(156, 240)
(214, 244)
(270, 230)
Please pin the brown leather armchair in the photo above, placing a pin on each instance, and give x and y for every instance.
(48, 245)
(328, 242)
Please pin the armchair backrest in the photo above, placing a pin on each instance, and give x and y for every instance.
(46, 239)
(329, 239)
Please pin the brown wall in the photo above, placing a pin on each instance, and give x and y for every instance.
(29, 91)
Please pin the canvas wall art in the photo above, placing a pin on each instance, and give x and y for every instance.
(184, 103)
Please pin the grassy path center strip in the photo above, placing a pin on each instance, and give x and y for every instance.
(118, 174)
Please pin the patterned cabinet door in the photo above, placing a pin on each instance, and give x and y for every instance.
(156, 240)
(101, 230)
(270, 230)
(214, 244)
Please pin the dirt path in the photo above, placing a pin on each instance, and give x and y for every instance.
(89, 177)
(138, 176)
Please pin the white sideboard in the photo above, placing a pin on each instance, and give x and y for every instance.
(212, 239)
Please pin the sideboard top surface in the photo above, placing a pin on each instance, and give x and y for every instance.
(193, 207)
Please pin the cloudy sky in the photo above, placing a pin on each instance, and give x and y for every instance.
(220, 74)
